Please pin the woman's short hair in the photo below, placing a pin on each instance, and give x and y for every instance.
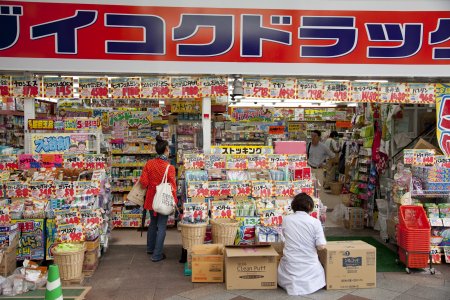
(302, 202)
(161, 145)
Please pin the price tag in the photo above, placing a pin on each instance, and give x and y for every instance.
(194, 161)
(297, 161)
(271, 217)
(155, 87)
(8, 162)
(283, 189)
(277, 161)
(365, 91)
(213, 86)
(223, 209)
(310, 90)
(442, 161)
(15, 189)
(303, 186)
(58, 87)
(394, 92)
(283, 88)
(241, 188)
(215, 161)
(125, 87)
(237, 162)
(195, 213)
(214, 188)
(5, 86)
(422, 93)
(91, 216)
(25, 86)
(198, 189)
(5, 217)
(69, 233)
(41, 190)
(225, 188)
(262, 189)
(68, 216)
(336, 90)
(93, 87)
(64, 189)
(257, 162)
(185, 87)
(256, 87)
(408, 156)
(95, 161)
(423, 157)
(74, 161)
(88, 188)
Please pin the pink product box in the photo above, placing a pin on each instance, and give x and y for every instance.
(290, 147)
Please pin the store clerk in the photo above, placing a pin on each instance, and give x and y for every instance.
(318, 153)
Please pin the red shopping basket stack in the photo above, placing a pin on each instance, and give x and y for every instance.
(413, 236)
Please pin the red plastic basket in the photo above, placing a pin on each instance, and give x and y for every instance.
(413, 240)
(415, 260)
(413, 217)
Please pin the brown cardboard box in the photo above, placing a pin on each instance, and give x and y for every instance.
(251, 268)
(349, 265)
(90, 260)
(207, 263)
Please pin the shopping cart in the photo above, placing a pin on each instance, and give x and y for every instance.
(413, 238)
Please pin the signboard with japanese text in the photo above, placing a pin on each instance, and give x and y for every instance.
(391, 92)
(69, 233)
(257, 162)
(297, 161)
(40, 190)
(5, 217)
(282, 35)
(74, 161)
(277, 161)
(58, 87)
(294, 126)
(51, 161)
(271, 217)
(82, 124)
(241, 188)
(419, 157)
(88, 188)
(155, 87)
(215, 161)
(365, 92)
(34, 124)
(241, 150)
(32, 242)
(197, 189)
(223, 209)
(193, 161)
(283, 88)
(95, 161)
(237, 162)
(213, 86)
(22, 86)
(64, 189)
(214, 188)
(17, 189)
(8, 162)
(336, 91)
(185, 87)
(283, 189)
(256, 87)
(303, 186)
(125, 87)
(5, 86)
(442, 161)
(67, 216)
(262, 189)
(28, 161)
(133, 119)
(91, 217)
(58, 143)
(310, 89)
(185, 106)
(443, 117)
(422, 93)
(93, 87)
(247, 114)
(275, 130)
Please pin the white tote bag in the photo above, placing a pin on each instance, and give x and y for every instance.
(163, 203)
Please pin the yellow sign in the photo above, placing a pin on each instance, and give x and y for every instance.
(237, 150)
(294, 126)
(186, 106)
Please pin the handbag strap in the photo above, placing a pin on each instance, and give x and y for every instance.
(164, 180)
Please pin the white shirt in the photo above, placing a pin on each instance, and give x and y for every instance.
(318, 154)
(332, 144)
(300, 271)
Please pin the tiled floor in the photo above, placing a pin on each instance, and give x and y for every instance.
(126, 272)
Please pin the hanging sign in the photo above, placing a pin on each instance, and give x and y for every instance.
(8, 162)
(442, 161)
(274, 130)
(336, 90)
(256, 87)
(25, 87)
(193, 161)
(185, 87)
(95, 161)
(213, 86)
(215, 161)
(185, 106)
(93, 87)
(365, 91)
(391, 92)
(247, 114)
(443, 117)
(283, 88)
(34, 124)
(125, 87)
(155, 87)
(237, 162)
(28, 161)
(257, 162)
(17, 189)
(310, 89)
(68, 233)
(241, 150)
(58, 87)
(133, 119)
(5, 86)
(64, 189)
(59, 143)
(343, 124)
(421, 93)
(262, 189)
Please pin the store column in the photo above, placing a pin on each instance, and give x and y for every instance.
(29, 112)
(206, 124)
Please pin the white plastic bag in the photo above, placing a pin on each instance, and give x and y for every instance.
(163, 203)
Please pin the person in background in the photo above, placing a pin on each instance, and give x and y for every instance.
(152, 175)
(300, 271)
(332, 143)
(318, 153)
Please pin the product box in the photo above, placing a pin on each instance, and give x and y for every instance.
(349, 265)
(251, 268)
(31, 245)
(207, 263)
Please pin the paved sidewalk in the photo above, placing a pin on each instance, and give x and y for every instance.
(126, 272)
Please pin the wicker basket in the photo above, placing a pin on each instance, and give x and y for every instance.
(70, 264)
(192, 234)
(224, 231)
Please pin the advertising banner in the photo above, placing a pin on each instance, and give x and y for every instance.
(443, 116)
(58, 143)
(132, 119)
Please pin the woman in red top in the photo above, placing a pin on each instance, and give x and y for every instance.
(152, 175)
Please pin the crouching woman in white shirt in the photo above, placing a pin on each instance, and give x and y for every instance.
(300, 271)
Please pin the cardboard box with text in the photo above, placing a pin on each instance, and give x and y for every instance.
(207, 263)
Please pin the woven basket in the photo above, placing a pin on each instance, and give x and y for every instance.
(70, 264)
(192, 234)
(224, 231)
